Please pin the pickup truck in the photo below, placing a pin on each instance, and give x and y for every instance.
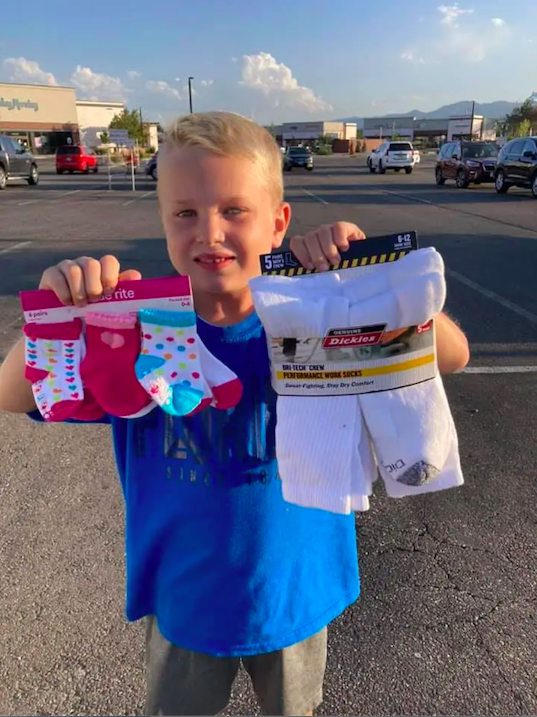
(16, 162)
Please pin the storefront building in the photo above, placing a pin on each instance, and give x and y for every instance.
(94, 118)
(42, 117)
(294, 133)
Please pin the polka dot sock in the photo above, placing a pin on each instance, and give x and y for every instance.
(169, 363)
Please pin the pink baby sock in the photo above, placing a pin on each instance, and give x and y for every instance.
(112, 347)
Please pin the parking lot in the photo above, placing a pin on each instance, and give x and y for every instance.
(446, 623)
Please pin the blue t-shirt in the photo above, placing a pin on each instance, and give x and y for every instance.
(226, 565)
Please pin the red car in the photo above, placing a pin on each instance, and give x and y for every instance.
(73, 158)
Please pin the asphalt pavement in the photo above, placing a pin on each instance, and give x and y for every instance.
(446, 623)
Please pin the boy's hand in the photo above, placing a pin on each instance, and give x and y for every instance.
(80, 281)
(320, 248)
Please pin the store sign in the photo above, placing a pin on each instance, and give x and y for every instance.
(16, 104)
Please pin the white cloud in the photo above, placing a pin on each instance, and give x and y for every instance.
(133, 74)
(19, 69)
(469, 43)
(96, 86)
(409, 56)
(206, 83)
(264, 73)
(163, 88)
(450, 13)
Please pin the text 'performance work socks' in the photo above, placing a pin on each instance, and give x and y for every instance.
(172, 362)
(316, 438)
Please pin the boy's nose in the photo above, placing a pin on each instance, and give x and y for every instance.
(210, 231)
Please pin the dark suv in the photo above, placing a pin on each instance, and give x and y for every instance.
(298, 157)
(16, 162)
(517, 165)
(466, 162)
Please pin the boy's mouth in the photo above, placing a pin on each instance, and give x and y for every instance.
(214, 262)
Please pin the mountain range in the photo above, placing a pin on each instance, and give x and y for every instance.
(490, 110)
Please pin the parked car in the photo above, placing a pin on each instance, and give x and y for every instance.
(16, 162)
(466, 162)
(151, 168)
(517, 166)
(392, 154)
(75, 158)
(131, 159)
(298, 157)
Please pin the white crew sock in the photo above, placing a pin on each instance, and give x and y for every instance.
(315, 436)
(450, 476)
(364, 472)
(362, 283)
(410, 427)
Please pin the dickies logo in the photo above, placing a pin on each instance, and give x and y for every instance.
(352, 337)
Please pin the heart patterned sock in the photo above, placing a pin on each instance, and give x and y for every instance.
(112, 347)
(52, 357)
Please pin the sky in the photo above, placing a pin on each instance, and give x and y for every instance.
(279, 60)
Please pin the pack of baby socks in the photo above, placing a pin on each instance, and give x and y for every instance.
(171, 365)
(315, 437)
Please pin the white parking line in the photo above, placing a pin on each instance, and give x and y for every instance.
(147, 194)
(499, 369)
(493, 296)
(59, 197)
(311, 194)
(126, 204)
(29, 201)
(410, 197)
(14, 247)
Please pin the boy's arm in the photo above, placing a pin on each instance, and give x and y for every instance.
(452, 350)
(15, 391)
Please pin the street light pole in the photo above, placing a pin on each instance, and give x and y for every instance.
(190, 92)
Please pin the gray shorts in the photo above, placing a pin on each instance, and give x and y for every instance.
(181, 682)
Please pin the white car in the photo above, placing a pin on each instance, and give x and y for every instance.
(392, 154)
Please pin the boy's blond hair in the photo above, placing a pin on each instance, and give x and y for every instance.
(231, 135)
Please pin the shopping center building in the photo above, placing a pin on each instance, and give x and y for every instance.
(44, 117)
(41, 117)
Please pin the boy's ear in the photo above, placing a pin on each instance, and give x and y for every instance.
(281, 224)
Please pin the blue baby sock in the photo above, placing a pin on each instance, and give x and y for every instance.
(169, 363)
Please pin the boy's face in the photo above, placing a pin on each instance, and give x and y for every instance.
(218, 217)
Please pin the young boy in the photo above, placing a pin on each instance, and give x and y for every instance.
(219, 565)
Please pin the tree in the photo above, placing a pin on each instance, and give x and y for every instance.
(105, 137)
(524, 128)
(131, 121)
(521, 120)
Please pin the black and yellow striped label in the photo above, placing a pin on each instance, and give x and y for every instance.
(345, 264)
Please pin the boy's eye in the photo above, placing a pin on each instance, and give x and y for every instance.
(186, 213)
(234, 210)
